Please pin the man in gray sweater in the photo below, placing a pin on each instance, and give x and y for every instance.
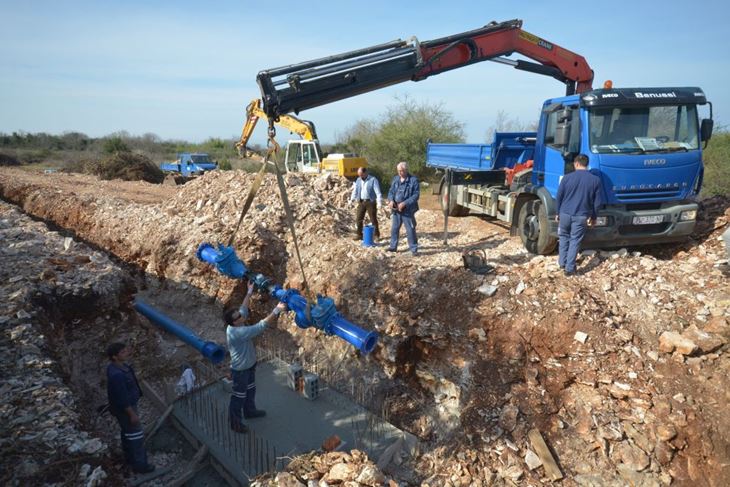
(240, 335)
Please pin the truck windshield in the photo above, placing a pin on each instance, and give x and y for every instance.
(643, 129)
(199, 159)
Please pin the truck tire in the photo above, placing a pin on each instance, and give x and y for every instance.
(534, 229)
(454, 208)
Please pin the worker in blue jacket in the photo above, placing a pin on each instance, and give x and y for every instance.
(124, 392)
(403, 201)
(580, 195)
(240, 335)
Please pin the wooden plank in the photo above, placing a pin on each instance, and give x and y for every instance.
(151, 476)
(156, 426)
(542, 450)
(196, 465)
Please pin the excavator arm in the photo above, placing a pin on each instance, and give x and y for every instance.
(313, 83)
(304, 128)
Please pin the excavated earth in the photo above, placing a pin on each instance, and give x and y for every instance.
(623, 368)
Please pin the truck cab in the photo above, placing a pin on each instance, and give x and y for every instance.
(644, 144)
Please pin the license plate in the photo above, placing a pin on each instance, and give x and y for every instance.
(648, 220)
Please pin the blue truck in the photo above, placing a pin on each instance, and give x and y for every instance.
(189, 164)
(644, 144)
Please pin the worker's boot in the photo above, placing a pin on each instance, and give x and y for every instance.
(256, 413)
(239, 428)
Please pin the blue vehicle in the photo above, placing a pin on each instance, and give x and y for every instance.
(644, 143)
(189, 164)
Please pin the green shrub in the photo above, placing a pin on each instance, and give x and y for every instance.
(114, 145)
(717, 165)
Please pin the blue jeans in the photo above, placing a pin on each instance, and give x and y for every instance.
(409, 221)
(243, 395)
(571, 230)
(132, 440)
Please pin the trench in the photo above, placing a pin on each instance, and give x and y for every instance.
(79, 325)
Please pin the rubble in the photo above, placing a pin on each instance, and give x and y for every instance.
(470, 372)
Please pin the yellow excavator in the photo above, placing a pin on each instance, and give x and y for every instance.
(305, 154)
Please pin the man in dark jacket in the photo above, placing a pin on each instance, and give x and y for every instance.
(579, 197)
(403, 200)
(123, 392)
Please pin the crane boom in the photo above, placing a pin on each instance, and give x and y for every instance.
(313, 83)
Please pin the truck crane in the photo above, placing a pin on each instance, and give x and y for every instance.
(644, 143)
(305, 154)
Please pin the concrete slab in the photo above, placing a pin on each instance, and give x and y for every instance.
(293, 424)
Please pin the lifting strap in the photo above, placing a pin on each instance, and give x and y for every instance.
(252, 193)
(273, 150)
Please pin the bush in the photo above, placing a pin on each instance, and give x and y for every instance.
(126, 166)
(8, 160)
(717, 165)
(114, 145)
(225, 165)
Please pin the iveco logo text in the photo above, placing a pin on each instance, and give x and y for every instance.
(609, 95)
(639, 94)
(654, 162)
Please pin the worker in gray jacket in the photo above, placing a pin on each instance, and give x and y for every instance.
(240, 335)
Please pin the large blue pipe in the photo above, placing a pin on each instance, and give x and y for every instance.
(322, 314)
(212, 351)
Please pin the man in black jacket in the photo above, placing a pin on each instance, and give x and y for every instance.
(124, 392)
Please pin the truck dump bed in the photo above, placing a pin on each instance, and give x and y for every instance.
(508, 149)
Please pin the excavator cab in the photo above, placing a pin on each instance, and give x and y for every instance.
(302, 156)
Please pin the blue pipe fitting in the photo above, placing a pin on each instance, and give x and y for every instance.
(296, 303)
(212, 351)
(327, 318)
(323, 315)
(224, 259)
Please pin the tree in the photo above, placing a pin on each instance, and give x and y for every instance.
(400, 135)
(504, 123)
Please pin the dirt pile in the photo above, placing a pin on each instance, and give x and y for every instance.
(121, 165)
(623, 368)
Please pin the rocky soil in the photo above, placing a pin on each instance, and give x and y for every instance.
(623, 369)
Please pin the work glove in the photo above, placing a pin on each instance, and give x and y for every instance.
(379, 203)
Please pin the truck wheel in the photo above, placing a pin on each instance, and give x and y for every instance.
(534, 229)
(450, 199)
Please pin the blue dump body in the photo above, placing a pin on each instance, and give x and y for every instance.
(189, 164)
(508, 149)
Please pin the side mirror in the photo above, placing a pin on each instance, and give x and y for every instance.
(706, 129)
(562, 134)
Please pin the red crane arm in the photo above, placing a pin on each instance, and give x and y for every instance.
(453, 52)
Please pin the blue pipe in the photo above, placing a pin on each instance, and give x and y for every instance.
(322, 315)
(212, 351)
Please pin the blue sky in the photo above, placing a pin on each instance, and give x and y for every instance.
(186, 70)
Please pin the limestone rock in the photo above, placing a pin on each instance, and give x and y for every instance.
(669, 341)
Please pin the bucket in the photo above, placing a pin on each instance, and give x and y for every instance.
(367, 236)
